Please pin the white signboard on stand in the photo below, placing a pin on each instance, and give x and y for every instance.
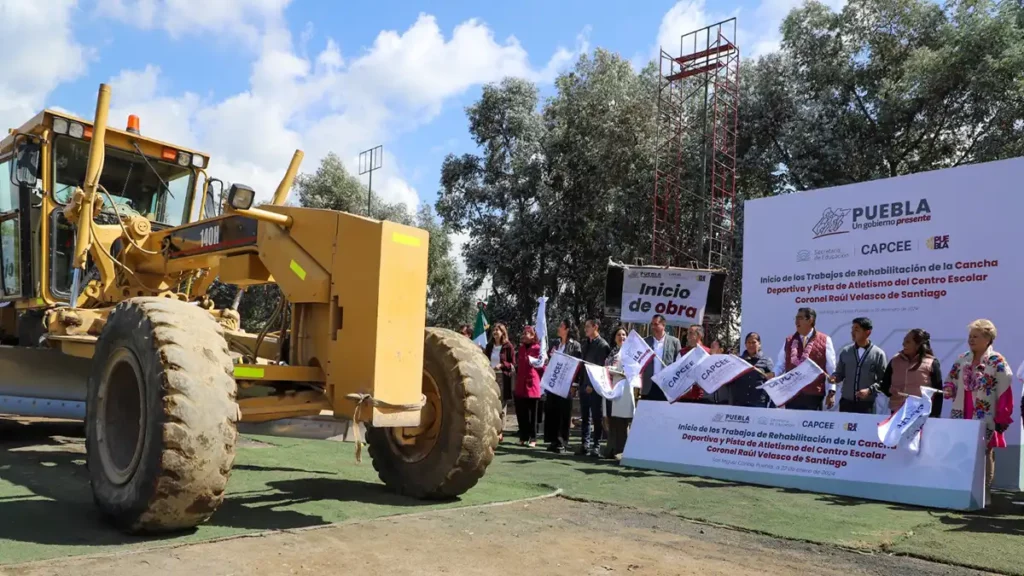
(827, 452)
(905, 252)
(678, 294)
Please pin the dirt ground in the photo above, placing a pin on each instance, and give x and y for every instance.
(545, 536)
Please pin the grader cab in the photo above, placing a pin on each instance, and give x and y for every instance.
(110, 244)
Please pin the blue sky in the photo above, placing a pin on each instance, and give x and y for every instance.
(251, 80)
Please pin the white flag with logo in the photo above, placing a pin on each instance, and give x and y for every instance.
(678, 377)
(601, 380)
(636, 351)
(781, 389)
(718, 370)
(540, 327)
(559, 374)
(906, 423)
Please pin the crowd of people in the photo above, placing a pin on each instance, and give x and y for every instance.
(861, 378)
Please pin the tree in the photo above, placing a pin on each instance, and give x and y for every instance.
(890, 87)
(502, 200)
(878, 89)
(449, 304)
(599, 151)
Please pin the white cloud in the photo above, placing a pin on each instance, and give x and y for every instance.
(324, 103)
(228, 19)
(39, 53)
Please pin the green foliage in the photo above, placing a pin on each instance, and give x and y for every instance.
(878, 89)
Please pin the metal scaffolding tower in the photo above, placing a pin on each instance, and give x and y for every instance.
(695, 167)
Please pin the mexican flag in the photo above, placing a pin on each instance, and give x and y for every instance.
(480, 328)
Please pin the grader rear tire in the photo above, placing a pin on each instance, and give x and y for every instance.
(161, 416)
(451, 449)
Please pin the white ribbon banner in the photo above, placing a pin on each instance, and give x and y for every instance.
(601, 380)
(907, 421)
(636, 351)
(540, 327)
(720, 369)
(781, 389)
(559, 374)
(678, 377)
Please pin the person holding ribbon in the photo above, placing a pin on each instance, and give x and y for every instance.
(620, 411)
(695, 339)
(808, 343)
(744, 391)
(558, 410)
(526, 394)
(979, 386)
(859, 369)
(666, 347)
(915, 367)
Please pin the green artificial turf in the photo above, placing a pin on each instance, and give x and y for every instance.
(46, 509)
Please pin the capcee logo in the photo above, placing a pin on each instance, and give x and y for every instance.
(937, 242)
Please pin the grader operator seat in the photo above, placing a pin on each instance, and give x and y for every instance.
(112, 322)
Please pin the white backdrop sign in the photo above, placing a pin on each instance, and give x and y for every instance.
(828, 452)
(679, 295)
(934, 250)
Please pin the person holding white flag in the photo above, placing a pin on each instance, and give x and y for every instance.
(666, 349)
(558, 410)
(620, 410)
(910, 371)
(808, 344)
(978, 385)
(527, 389)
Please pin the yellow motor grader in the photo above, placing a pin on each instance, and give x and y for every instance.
(110, 243)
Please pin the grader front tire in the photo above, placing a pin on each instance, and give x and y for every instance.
(450, 451)
(160, 435)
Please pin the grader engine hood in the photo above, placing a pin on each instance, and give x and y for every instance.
(212, 236)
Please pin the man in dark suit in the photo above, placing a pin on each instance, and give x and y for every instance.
(595, 350)
(667, 347)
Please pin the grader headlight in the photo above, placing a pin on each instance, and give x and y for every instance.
(240, 197)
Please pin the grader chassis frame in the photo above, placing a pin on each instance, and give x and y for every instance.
(165, 376)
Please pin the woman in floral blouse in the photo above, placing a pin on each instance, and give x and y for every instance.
(979, 386)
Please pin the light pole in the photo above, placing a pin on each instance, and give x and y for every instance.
(370, 160)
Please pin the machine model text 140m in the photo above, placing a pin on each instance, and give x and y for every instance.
(110, 243)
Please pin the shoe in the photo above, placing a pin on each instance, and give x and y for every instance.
(532, 444)
(582, 451)
(594, 453)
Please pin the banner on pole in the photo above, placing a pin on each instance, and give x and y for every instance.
(678, 377)
(906, 423)
(781, 389)
(680, 295)
(718, 370)
(560, 374)
(636, 351)
(601, 380)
